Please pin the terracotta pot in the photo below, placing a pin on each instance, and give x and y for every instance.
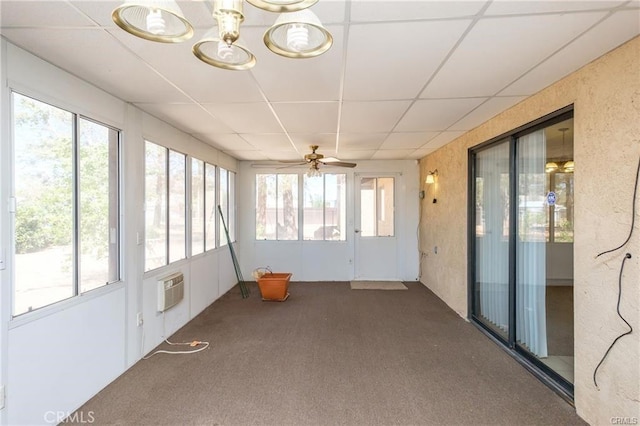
(275, 286)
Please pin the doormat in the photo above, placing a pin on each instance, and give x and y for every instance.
(377, 285)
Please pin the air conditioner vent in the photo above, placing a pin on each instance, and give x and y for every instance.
(170, 291)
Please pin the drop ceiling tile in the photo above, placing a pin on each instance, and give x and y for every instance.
(360, 141)
(442, 139)
(607, 35)
(325, 141)
(288, 80)
(269, 141)
(202, 82)
(308, 117)
(246, 117)
(371, 117)
(484, 112)
(407, 140)
(436, 114)
(226, 142)
(519, 7)
(392, 154)
(247, 155)
(498, 51)
(39, 14)
(420, 153)
(379, 66)
(356, 154)
(95, 56)
(188, 117)
(329, 12)
(365, 10)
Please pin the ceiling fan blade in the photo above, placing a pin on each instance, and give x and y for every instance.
(293, 161)
(338, 163)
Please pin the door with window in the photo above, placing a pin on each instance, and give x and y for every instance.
(376, 251)
(522, 244)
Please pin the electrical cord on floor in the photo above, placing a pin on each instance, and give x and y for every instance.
(193, 344)
(595, 372)
(633, 215)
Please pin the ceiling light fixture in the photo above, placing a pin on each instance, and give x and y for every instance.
(314, 171)
(282, 5)
(161, 21)
(298, 33)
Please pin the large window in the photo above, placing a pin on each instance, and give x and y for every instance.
(66, 192)
(277, 207)
(165, 213)
(324, 208)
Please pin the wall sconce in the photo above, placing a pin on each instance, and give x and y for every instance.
(431, 177)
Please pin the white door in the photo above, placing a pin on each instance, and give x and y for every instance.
(375, 228)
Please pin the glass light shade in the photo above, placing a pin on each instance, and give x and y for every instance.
(298, 35)
(550, 166)
(430, 179)
(568, 166)
(282, 5)
(160, 20)
(214, 51)
(314, 171)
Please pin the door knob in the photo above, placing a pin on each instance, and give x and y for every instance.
(357, 230)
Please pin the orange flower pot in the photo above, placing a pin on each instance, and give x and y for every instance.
(275, 286)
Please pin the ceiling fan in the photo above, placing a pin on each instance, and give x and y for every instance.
(314, 159)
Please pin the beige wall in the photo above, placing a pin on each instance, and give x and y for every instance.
(606, 98)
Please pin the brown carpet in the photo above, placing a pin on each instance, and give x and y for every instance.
(331, 356)
(559, 302)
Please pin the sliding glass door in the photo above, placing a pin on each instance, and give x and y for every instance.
(491, 301)
(521, 250)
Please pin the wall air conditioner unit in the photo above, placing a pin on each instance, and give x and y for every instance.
(170, 291)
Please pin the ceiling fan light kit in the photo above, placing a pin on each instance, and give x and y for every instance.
(297, 33)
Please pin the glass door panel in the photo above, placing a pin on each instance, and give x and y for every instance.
(491, 200)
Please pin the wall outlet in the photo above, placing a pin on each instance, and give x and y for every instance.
(139, 319)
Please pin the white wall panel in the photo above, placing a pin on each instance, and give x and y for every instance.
(59, 361)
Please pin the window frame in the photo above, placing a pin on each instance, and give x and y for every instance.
(167, 207)
(113, 215)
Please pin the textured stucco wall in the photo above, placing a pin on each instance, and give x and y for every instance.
(606, 98)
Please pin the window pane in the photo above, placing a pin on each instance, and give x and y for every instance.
(313, 212)
(44, 223)
(563, 208)
(266, 207)
(177, 211)
(287, 207)
(324, 213)
(232, 206)
(385, 201)
(368, 194)
(155, 206)
(210, 206)
(335, 207)
(197, 206)
(98, 185)
(224, 193)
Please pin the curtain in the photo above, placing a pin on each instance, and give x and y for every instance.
(531, 326)
(492, 235)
